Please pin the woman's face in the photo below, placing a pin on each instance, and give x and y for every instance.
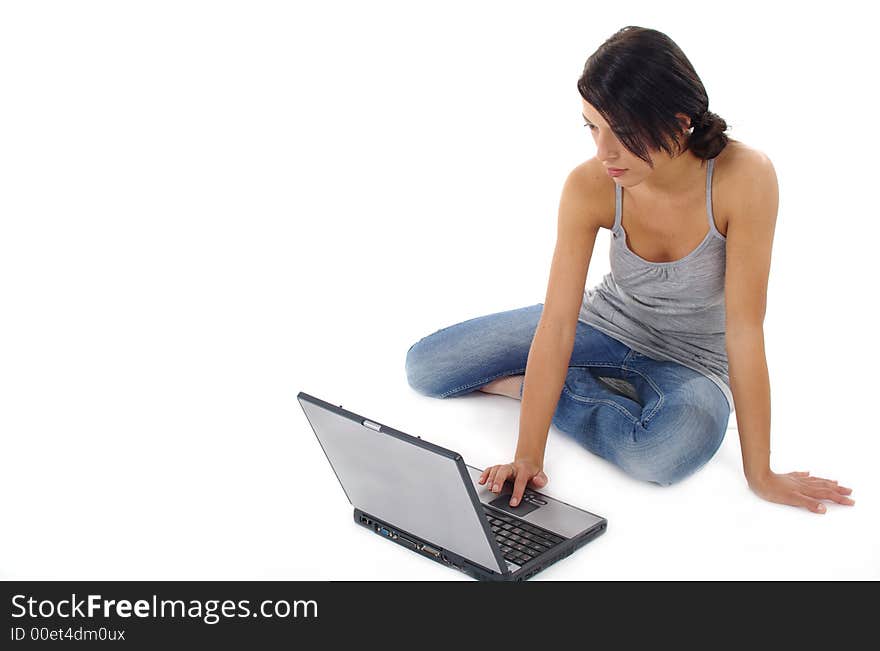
(613, 154)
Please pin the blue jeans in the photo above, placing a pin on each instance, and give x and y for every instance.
(657, 420)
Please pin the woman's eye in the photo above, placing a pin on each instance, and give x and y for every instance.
(589, 125)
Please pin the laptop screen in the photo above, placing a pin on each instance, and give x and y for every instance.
(397, 478)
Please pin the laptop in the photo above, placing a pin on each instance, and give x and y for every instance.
(424, 497)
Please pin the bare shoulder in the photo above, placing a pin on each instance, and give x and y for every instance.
(741, 157)
(594, 190)
(741, 173)
(741, 166)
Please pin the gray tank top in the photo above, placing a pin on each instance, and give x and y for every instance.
(670, 311)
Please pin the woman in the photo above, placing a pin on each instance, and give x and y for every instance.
(643, 369)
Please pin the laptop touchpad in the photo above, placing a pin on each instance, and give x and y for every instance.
(503, 502)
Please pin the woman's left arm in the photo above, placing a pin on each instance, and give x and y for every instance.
(750, 229)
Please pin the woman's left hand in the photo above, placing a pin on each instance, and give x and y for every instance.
(799, 489)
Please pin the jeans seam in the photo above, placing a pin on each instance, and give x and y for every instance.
(656, 388)
(602, 401)
(654, 385)
(481, 382)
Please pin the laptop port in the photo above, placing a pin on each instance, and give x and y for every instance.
(385, 532)
(430, 550)
(408, 542)
(449, 562)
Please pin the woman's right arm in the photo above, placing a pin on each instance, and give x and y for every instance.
(577, 226)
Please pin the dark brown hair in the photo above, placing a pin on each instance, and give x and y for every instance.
(638, 80)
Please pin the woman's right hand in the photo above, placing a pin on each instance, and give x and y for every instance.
(521, 471)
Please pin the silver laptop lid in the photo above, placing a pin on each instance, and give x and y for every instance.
(412, 484)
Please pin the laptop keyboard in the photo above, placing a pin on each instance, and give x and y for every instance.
(520, 541)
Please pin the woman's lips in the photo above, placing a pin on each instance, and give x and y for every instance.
(612, 171)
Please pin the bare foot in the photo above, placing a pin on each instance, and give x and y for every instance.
(509, 385)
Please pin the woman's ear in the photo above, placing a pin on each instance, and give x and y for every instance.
(684, 121)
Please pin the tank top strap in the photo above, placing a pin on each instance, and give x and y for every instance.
(618, 190)
(712, 228)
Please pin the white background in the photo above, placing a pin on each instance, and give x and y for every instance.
(207, 207)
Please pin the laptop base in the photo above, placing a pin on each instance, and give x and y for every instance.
(450, 559)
